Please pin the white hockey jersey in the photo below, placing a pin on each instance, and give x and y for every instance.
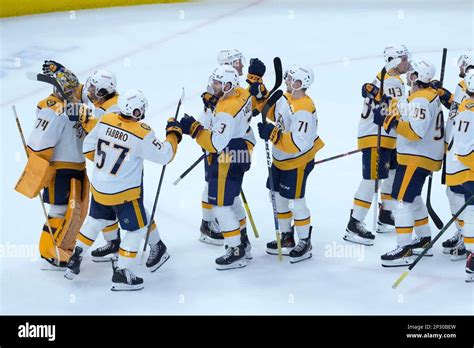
(367, 132)
(56, 138)
(461, 149)
(118, 147)
(459, 96)
(420, 140)
(230, 120)
(299, 141)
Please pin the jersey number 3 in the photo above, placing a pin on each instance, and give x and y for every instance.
(103, 155)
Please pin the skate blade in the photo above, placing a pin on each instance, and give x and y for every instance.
(301, 258)
(284, 251)
(100, 259)
(127, 287)
(469, 277)
(237, 264)
(383, 228)
(164, 258)
(205, 239)
(405, 262)
(458, 257)
(353, 238)
(69, 275)
(418, 251)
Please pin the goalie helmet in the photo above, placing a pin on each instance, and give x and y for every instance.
(425, 71)
(104, 82)
(469, 81)
(133, 104)
(68, 82)
(395, 51)
(225, 74)
(228, 57)
(298, 73)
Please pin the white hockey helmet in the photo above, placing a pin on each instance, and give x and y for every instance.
(469, 81)
(425, 71)
(466, 59)
(228, 57)
(303, 74)
(133, 104)
(226, 74)
(394, 51)
(104, 82)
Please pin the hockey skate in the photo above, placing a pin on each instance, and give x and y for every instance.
(385, 222)
(210, 233)
(419, 244)
(459, 252)
(233, 258)
(302, 250)
(73, 267)
(107, 252)
(400, 256)
(452, 242)
(287, 243)
(124, 280)
(469, 268)
(357, 233)
(51, 265)
(158, 256)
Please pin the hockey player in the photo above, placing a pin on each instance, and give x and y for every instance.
(210, 232)
(455, 245)
(56, 163)
(99, 96)
(229, 157)
(295, 143)
(118, 145)
(419, 124)
(461, 151)
(356, 232)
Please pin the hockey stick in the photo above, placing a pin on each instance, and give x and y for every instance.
(436, 220)
(430, 245)
(186, 172)
(249, 214)
(377, 160)
(50, 230)
(337, 156)
(181, 100)
(271, 101)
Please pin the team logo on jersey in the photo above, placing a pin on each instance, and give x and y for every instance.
(50, 102)
(145, 126)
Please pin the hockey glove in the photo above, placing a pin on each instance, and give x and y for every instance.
(369, 90)
(50, 67)
(190, 126)
(174, 127)
(256, 71)
(443, 94)
(209, 100)
(258, 90)
(268, 131)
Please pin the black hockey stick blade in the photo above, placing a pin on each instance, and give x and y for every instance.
(270, 102)
(46, 79)
(278, 74)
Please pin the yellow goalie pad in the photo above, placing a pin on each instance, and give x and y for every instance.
(37, 174)
(65, 229)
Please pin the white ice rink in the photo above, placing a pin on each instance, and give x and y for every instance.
(161, 48)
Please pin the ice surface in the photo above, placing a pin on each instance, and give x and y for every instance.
(161, 48)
